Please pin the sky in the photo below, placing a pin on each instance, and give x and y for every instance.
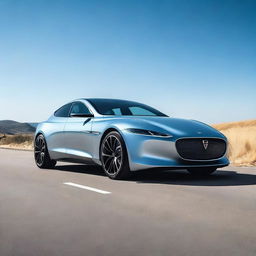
(189, 59)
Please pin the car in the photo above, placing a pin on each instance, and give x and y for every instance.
(125, 136)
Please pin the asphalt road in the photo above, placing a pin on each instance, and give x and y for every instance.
(154, 213)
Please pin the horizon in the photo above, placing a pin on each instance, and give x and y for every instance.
(238, 121)
(193, 60)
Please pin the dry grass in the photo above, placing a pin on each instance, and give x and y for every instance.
(19, 141)
(242, 141)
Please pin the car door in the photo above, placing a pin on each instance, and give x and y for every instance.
(55, 132)
(78, 137)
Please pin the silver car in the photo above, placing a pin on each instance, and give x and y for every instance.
(125, 136)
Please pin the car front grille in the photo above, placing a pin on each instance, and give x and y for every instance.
(201, 148)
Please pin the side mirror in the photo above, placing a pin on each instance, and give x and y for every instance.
(81, 115)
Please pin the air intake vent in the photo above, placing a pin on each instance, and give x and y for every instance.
(201, 149)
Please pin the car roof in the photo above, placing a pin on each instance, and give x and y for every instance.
(104, 99)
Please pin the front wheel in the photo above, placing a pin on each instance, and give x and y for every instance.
(114, 156)
(201, 171)
(42, 157)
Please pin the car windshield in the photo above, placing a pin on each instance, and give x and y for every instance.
(123, 108)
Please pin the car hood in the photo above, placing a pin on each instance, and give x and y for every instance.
(175, 126)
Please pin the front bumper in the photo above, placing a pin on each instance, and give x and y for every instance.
(146, 152)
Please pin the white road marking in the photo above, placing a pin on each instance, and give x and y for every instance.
(86, 187)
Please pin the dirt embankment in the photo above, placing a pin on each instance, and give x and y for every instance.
(17, 141)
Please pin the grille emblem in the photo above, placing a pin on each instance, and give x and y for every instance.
(205, 144)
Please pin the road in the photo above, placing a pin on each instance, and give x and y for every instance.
(154, 213)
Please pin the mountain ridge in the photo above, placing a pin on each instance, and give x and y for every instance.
(14, 127)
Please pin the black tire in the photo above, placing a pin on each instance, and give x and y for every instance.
(41, 155)
(113, 156)
(201, 171)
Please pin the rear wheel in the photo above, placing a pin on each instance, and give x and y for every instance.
(42, 157)
(114, 157)
(201, 171)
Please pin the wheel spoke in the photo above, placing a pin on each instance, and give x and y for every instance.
(37, 143)
(118, 152)
(37, 157)
(114, 143)
(118, 162)
(110, 167)
(115, 162)
(42, 157)
(108, 147)
(106, 155)
(107, 162)
(111, 142)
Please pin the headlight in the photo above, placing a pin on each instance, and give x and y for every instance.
(148, 132)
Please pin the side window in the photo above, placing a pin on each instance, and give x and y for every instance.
(79, 108)
(138, 111)
(117, 111)
(63, 111)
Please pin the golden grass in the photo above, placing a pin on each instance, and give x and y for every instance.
(225, 126)
(242, 141)
(19, 141)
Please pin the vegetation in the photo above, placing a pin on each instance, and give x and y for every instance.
(242, 141)
(18, 141)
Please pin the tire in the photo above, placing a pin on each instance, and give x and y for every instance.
(113, 156)
(41, 154)
(201, 171)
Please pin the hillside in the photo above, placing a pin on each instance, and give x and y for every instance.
(13, 127)
(242, 141)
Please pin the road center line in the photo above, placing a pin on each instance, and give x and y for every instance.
(86, 187)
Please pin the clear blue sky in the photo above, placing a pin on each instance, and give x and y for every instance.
(191, 59)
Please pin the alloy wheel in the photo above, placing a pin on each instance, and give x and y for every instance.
(112, 155)
(40, 150)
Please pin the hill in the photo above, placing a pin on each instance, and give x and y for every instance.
(242, 141)
(13, 127)
(33, 124)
